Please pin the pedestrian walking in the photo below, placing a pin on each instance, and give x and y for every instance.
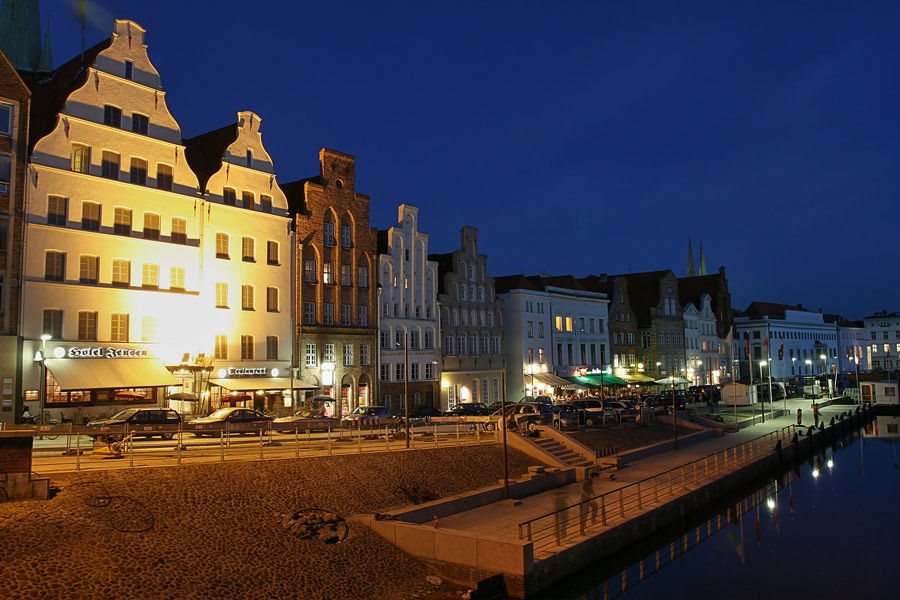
(816, 413)
(562, 515)
(799, 416)
(588, 504)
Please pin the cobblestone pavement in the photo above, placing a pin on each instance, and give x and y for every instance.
(216, 530)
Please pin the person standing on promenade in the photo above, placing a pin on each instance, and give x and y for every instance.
(587, 501)
(562, 514)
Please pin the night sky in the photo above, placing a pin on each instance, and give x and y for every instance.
(578, 137)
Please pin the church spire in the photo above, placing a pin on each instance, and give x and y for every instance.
(20, 33)
(702, 260)
(690, 272)
(46, 63)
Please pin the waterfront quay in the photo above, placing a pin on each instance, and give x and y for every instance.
(539, 539)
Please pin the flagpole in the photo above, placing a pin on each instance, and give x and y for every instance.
(733, 380)
(769, 359)
(750, 389)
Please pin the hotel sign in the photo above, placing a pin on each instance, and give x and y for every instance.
(99, 352)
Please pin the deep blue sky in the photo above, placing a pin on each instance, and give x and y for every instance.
(578, 137)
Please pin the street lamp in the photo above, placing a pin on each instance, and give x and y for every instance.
(858, 388)
(674, 411)
(531, 368)
(41, 356)
(825, 371)
(763, 408)
(406, 384)
(328, 383)
(658, 365)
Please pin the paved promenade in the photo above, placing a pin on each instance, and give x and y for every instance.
(501, 520)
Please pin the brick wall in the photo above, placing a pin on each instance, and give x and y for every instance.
(15, 454)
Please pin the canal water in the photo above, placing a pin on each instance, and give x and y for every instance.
(825, 528)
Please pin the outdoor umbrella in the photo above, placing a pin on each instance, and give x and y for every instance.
(672, 380)
(184, 396)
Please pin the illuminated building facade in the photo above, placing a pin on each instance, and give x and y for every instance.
(335, 294)
(408, 314)
(121, 266)
(473, 363)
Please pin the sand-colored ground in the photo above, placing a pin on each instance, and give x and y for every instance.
(215, 530)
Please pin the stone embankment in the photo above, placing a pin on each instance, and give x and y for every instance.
(226, 530)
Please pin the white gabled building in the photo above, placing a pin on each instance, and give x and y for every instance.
(247, 266)
(119, 264)
(883, 340)
(408, 315)
(701, 343)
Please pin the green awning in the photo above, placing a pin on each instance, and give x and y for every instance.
(605, 380)
(582, 381)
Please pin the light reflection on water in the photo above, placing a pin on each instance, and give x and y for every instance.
(826, 528)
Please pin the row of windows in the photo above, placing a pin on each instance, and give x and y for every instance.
(470, 394)
(467, 296)
(119, 326)
(623, 339)
(887, 348)
(417, 312)
(416, 371)
(567, 323)
(312, 355)
(471, 318)
(6, 119)
(248, 198)
(89, 267)
(248, 347)
(793, 335)
(885, 335)
(58, 214)
(310, 274)
(414, 341)
(487, 347)
(311, 318)
(328, 234)
(248, 249)
(248, 297)
(584, 358)
(534, 307)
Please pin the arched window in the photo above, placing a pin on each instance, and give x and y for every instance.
(490, 319)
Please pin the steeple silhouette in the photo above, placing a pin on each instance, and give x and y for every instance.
(690, 272)
(20, 33)
(702, 260)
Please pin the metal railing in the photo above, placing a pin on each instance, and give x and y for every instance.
(556, 528)
(59, 448)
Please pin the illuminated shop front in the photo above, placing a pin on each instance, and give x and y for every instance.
(260, 388)
(81, 374)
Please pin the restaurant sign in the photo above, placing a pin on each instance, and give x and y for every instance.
(247, 371)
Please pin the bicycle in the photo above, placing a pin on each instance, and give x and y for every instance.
(45, 418)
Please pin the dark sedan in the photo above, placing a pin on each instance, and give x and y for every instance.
(469, 409)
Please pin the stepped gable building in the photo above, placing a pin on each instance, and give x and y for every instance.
(112, 273)
(408, 347)
(715, 285)
(14, 105)
(660, 323)
(246, 259)
(473, 361)
(335, 295)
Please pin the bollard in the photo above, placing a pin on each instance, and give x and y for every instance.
(457, 433)
(297, 442)
(434, 428)
(131, 448)
(222, 435)
(260, 444)
(359, 438)
(329, 441)
(78, 453)
(179, 443)
(387, 440)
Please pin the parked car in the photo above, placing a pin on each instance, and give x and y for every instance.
(368, 412)
(595, 413)
(625, 411)
(137, 420)
(523, 415)
(537, 399)
(305, 419)
(468, 409)
(223, 418)
(418, 414)
(567, 416)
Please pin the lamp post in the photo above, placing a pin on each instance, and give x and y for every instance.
(406, 384)
(763, 407)
(435, 401)
(858, 388)
(825, 371)
(328, 382)
(531, 367)
(42, 358)
(674, 411)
